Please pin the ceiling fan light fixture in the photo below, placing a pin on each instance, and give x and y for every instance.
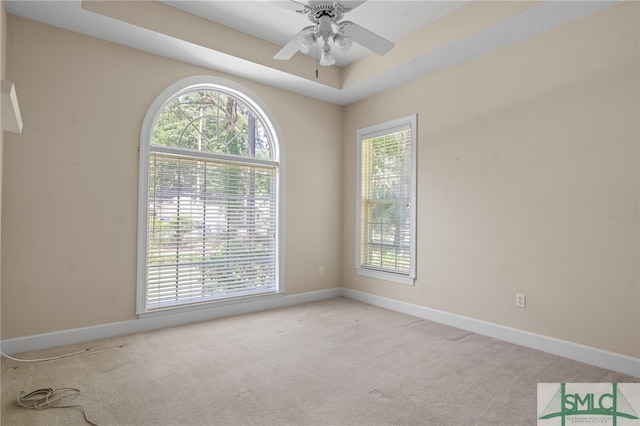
(344, 43)
(326, 58)
(305, 42)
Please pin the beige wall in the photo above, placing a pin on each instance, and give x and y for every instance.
(70, 190)
(3, 51)
(528, 182)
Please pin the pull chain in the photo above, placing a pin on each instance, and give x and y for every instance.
(317, 59)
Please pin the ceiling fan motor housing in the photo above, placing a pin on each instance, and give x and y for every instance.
(332, 10)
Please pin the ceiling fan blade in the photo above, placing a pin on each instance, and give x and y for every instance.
(292, 47)
(300, 7)
(292, 5)
(288, 50)
(366, 38)
(349, 5)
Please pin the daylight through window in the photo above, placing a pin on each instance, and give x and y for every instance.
(211, 207)
(386, 201)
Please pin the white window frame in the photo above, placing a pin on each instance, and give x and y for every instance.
(189, 84)
(409, 121)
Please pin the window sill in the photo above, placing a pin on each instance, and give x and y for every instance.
(386, 276)
(228, 303)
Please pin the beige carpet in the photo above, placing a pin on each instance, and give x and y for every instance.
(335, 362)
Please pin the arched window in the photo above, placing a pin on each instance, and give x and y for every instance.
(209, 197)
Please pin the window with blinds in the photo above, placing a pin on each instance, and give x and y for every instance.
(211, 202)
(386, 219)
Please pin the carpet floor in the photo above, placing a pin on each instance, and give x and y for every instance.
(332, 362)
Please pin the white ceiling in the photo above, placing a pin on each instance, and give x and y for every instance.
(277, 22)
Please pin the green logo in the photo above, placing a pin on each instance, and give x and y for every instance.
(585, 403)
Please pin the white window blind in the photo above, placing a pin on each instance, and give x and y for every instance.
(209, 224)
(387, 199)
(211, 230)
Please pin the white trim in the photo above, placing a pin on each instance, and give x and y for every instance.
(209, 304)
(11, 117)
(221, 158)
(87, 334)
(386, 276)
(575, 351)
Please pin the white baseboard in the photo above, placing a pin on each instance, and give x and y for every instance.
(589, 355)
(87, 334)
(593, 356)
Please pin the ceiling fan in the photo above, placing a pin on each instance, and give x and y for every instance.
(328, 29)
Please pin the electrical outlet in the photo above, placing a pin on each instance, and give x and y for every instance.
(320, 270)
(521, 300)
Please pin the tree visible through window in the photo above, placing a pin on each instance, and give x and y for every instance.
(386, 201)
(211, 201)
